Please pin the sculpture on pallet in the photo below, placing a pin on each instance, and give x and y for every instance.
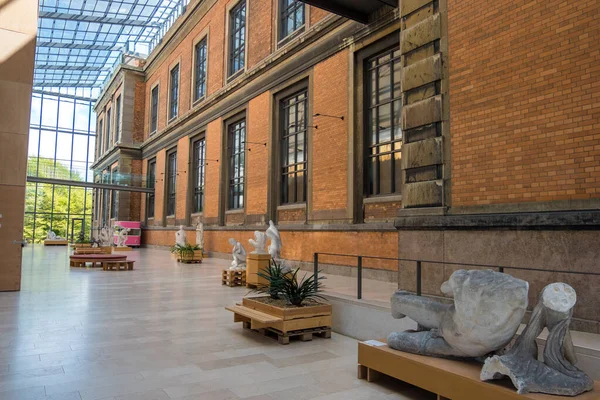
(180, 237)
(556, 374)
(488, 308)
(200, 235)
(275, 246)
(259, 242)
(122, 238)
(51, 235)
(239, 256)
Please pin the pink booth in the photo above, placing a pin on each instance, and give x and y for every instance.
(134, 238)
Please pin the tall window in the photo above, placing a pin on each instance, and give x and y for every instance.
(100, 134)
(200, 70)
(291, 17)
(237, 37)
(199, 161)
(154, 109)
(384, 138)
(237, 138)
(150, 184)
(171, 182)
(118, 120)
(174, 92)
(108, 133)
(114, 203)
(293, 148)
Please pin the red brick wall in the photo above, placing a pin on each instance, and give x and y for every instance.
(183, 176)
(212, 179)
(159, 191)
(330, 140)
(260, 32)
(317, 14)
(139, 116)
(524, 101)
(257, 158)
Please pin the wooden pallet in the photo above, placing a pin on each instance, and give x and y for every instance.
(117, 265)
(233, 278)
(55, 242)
(304, 335)
(188, 261)
(88, 250)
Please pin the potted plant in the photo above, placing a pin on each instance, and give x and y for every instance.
(292, 307)
(187, 253)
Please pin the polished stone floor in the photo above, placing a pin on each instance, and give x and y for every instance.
(159, 332)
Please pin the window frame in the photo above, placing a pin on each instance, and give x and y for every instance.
(284, 198)
(203, 39)
(171, 184)
(154, 108)
(198, 166)
(230, 73)
(114, 200)
(100, 143)
(107, 139)
(118, 105)
(281, 38)
(151, 184)
(231, 203)
(174, 86)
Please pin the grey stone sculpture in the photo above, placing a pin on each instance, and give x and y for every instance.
(105, 237)
(239, 255)
(180, 237)
(556, 374)
(275, 245)
(122, 238)
(259, 243)
(200, 235)
(488, 308)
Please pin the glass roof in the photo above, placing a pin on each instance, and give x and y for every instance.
(79, 42)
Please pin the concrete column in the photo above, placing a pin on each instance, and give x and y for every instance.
(18, 27)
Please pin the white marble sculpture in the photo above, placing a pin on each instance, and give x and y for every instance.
(259, 242)
(239, 255)
(200, 235)
(122, 238)
(488, 308)
(106, 235)
(275, 245)
(180, 237)
(557, 373)
(51, 235)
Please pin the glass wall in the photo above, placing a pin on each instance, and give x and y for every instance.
(62, 140)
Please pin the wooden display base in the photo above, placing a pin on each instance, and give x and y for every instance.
(106, 249)
(88, 250)
(117, 265)
(55, 242)
(123, 248)
(255, 263)
(259, 315)
(80, 245)
(233, 278)
(305, 335)
(449, 379)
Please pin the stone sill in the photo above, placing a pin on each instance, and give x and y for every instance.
(383, 199)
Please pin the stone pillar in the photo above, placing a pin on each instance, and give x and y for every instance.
(424, 119)
(18, 27)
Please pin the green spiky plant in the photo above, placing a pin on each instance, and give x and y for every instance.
(295, 293)
(186, 251)
(274, 275)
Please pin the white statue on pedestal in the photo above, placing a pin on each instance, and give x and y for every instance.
(200, 235)
(122, 238)
(105, 236)
(180, 237)
(239, 256)
(51, 235)
(259, 242)
(275, 246)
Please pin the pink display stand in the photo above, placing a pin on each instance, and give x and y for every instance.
(134, 238)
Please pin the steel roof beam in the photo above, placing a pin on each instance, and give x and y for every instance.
(97, 19)
(69, 67)
(81, 46)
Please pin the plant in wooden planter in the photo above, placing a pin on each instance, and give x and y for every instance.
(296, 293)
(274, 275)
(187, 253)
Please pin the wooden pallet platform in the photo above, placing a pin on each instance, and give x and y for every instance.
(125, 265)
(188, 261)
(448, 379)
(88, 250)
(55, 242)
(304, 335)
(233, 278)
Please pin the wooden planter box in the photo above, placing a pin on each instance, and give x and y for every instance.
(191, 258)
(285, 322)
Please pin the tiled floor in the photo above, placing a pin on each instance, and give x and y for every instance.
(159, 332)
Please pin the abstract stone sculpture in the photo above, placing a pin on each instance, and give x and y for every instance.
(105, 237)
(180, 237)
(488, 308)
(275, 246)
(122, 238)
(239, 255)
(200, 235)
(556, 374)
(259, 242)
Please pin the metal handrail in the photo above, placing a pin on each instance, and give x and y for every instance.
(419, 263)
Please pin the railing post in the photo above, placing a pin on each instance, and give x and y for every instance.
(418, 278)
(316, 266)
(359, 278)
